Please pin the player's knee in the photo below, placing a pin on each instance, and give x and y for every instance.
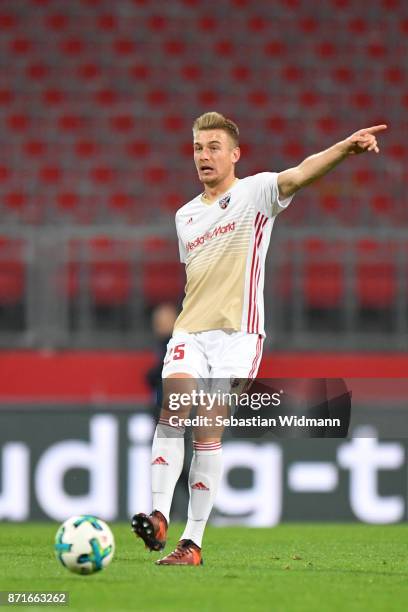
(177, 395)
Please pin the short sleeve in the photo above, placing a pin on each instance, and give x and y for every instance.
(182, 251)
(182, 248)
(268, 201)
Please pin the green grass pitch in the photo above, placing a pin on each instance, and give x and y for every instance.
(305, 567)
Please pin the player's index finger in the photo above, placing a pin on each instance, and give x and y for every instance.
(376, 128)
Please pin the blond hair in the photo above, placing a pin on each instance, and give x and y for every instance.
(216, 121)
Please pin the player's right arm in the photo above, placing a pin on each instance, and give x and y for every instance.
(315, 166)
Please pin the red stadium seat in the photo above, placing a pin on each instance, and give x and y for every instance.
(53, 97)
(70, 123)
(157, 23)
(331, 204)
(358, 25)
(111, 282)
(121, 202)
(172, 201)
(107, 22)
(308, 98)
(308, 25)
(155, 174)
(361, 100)
(35, 148)
(224, 47)
(106, 97)
(343, 75)
(86, 149)
(275, 48)
(363, 177)
(208, 97)
(88, 71)
(394, 75)
(5, 174)
(6, 97)
(291, 4)
(72, 46)
(110, 276)
(258, 98)
(21, 46)
(15, 200)
(173, 123)
(382, 204)
(124, 46)
(326, 50)
(56, 21)
(322, 276)
(68, 201)
(138, 148)
(123, 123)
(67, 281)
(8, 21)
(284, 281)
(186, 149)
(403, 23)
(12, 273)
(37, 71)
(376, 50)
(163, 281)
(294, 150)
(157, 97)
(207, 23)
(175, 47)
(18, 122)
(140, 72)
(398, 151)
(50, 174)
(276, 123)
(376, 275)
(257, 24)
(191, 72)
(240, 73)
(102, 174)
(391, 5)
(327, 125)
(292, 73)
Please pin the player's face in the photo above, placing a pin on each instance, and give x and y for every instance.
(215, 156)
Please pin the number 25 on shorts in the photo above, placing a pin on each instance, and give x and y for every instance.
(176, 353)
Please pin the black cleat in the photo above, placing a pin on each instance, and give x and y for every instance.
(152, 529)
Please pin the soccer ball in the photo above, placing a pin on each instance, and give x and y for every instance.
(84, 544)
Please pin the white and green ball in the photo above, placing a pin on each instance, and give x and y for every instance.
(84, 544)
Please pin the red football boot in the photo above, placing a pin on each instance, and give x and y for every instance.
(152, 529)
(186, 553)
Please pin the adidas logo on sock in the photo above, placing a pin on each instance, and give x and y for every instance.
(200, 486)
(159, 461)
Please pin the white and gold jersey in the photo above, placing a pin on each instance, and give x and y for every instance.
(224, 245)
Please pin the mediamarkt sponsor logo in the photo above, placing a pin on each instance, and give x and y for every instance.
(221, 229)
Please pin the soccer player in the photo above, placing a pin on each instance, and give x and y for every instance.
(223, 233)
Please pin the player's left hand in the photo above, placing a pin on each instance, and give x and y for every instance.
(364, 140)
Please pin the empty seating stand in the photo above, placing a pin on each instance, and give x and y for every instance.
(97, 100)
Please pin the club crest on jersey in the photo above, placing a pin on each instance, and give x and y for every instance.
(225, 201)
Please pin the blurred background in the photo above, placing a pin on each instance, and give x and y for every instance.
(97, 100)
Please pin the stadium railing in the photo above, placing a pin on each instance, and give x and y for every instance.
(96, 287)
